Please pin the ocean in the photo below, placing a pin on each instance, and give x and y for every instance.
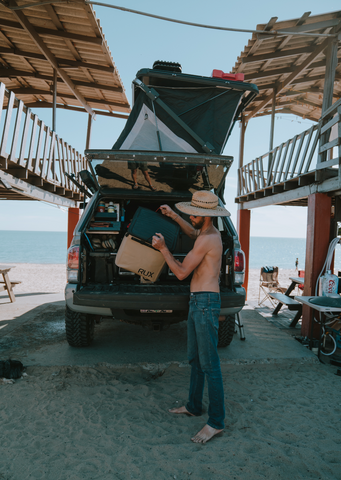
(51, 247)
(32, 247)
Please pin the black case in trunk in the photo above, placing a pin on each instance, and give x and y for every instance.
(146, 223)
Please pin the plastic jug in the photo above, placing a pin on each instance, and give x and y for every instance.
(329, 284)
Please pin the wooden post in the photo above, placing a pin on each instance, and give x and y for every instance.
(73, 217)
(54, 108)
(243, 228)
(272, 128)
(243, 216)
(331, 64)
(317, 243)
(88, 133)
(243, 126)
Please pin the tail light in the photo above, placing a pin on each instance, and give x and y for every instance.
(239, 266)
(72, 264)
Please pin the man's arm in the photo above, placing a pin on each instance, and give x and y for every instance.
(186, 227)
(191, 261)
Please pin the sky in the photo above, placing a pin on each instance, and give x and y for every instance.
(136, 42)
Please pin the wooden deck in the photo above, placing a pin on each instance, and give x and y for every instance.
(307, 163)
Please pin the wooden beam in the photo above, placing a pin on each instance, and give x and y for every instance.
(279, 198)
(88, 133)
(279, 71)
(328, 92)
(70, 45)
(259, 40)
(63, 62)
(318, 228)
(306, 27)
(103, 101)
(54, 117)
(51, 58)
(331, 65)
(272, 127)
(32, 91)
(290, 94)
(243, 228)
(76, 109)
(296, 81)
(320, 48)
(243, 126)
(311, 27)
(33, 192)
(277, 54)
(51, 33)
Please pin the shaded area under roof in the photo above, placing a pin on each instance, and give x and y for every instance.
(66, 38)
(294, 66)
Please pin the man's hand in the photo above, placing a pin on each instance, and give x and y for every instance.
(166, 210)
(158, 241)
(186, 227)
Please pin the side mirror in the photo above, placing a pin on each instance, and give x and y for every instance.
(88, 180)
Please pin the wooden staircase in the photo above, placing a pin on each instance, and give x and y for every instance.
(34, 161)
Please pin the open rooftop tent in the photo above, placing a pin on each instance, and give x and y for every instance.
(178, 126)
(56, 53)
(178, 112)
(290, 68)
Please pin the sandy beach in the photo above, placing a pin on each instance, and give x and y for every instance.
(282, 422)
(106, 421)
(52, 278)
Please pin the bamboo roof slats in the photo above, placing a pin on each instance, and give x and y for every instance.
(295, 66)
(66, 37)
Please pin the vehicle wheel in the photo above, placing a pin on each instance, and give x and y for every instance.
(226, 331)
(80, 328)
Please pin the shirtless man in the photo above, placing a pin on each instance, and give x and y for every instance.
(204, 260)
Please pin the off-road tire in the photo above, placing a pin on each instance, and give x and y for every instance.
(80, 328)
(226, 331)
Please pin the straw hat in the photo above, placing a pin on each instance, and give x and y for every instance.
(203, 204)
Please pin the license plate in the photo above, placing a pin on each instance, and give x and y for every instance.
(156, 311)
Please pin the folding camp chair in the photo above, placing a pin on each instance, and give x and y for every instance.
(268, 283)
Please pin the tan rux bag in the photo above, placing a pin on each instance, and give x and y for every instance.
(139, 257)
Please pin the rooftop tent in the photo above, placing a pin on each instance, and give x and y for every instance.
(177, 112)
(186, 117)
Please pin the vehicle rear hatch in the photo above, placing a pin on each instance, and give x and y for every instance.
(170, 173)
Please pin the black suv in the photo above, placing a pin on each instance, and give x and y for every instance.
(169, 148)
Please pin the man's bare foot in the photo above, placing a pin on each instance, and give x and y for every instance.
(180, 410)
(205, 434)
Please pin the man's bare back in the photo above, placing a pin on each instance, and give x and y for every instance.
(206, 274)
(204, 260)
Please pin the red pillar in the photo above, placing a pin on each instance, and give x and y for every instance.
(73, 217)
(243, 228)
(317, 243)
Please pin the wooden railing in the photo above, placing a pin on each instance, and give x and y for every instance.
(288, 163)
(32, 151)
(330, 137)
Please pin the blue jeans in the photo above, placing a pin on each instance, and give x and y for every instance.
(202, 341)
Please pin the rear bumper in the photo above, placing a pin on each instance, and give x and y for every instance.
(114, 300)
